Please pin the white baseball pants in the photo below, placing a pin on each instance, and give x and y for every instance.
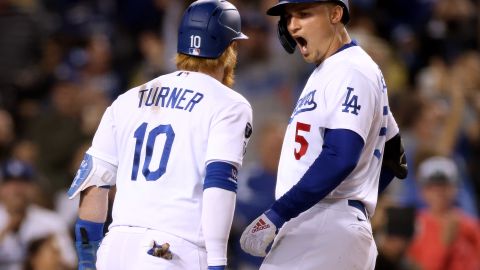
(331, 235)
(126, 248)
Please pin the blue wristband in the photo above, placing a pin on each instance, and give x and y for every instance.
(218, 267)
(88, 236)
(277, 220)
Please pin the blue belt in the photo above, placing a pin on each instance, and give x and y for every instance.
(359, 205)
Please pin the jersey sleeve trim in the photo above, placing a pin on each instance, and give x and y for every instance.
(221, 175)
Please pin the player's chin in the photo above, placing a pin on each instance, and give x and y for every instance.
(309, 59)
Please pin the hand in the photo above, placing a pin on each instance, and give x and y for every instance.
(259, 235)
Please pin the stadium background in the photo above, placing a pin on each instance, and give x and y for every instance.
(62, 62)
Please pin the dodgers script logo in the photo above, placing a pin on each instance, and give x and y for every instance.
(305, 104)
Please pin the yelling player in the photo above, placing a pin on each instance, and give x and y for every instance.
(341, 139)
(172, 147)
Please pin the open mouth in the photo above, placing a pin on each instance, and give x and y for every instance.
(302, 43)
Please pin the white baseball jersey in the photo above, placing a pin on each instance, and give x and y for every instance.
(347, 91)
(161, 135)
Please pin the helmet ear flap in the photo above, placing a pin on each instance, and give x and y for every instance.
(287, 41)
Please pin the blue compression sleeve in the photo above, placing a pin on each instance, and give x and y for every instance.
(88, 235)
(219, 267)
(275, 218)
(221, 175)
(340, 154)
(386, 176)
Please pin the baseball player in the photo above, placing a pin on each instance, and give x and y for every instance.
(341, 148)
(172, 147)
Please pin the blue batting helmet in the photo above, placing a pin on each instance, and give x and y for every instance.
(208, 27)
(278, 9)
(287, 41)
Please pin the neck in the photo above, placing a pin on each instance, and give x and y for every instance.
(339, 38)
(216, 74)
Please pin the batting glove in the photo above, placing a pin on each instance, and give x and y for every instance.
(260, 233)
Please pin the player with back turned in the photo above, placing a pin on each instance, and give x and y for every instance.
(172, 147)
(341, 148)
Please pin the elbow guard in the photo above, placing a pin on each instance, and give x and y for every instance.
(92, 172)
(394, 157)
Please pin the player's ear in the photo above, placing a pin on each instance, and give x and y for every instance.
(336, 14)
(234, 44)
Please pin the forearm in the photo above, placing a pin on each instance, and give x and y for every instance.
(306, 192)
(340, 154)
(217, 216)
(89, 225)
(94, 204)
(339, 157)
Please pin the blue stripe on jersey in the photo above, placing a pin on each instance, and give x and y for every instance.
(385, 110)
(377, 153)
(340, 154)
(221, 175)
(383, 131)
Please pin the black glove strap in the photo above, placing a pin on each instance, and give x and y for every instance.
(394, 157)
(287, 41)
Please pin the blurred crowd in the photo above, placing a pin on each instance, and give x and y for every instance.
(62, 62)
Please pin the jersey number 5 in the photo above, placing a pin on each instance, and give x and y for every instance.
(301, 140)
(152, 135)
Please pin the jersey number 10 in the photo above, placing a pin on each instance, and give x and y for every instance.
(152, 135)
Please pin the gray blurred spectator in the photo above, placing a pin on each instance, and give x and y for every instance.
(57, 133)
(92, 103)
(153, 62)
(21, 221)
(20, 52)
(172, 12)
(97, 73)
(269, 82)
(449, 31)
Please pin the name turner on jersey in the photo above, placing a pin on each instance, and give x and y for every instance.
(169, 97)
